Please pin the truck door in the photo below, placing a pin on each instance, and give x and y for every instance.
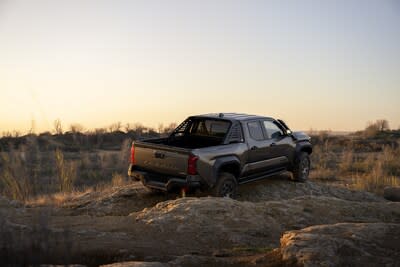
(259, 157)
(281, 145)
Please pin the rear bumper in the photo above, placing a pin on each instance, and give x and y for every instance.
(164, 182)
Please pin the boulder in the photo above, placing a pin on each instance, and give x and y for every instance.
(392, 193)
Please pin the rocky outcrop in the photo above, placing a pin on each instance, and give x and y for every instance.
(273, 216)
(281, 188)
(118, 201)
(344, 244)
(124, 200)
(93, 228)
(187, 226)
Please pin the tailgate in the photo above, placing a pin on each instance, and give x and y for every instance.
(161, 159)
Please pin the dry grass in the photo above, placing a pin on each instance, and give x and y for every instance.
(324, 162)
(374, 182)
(119, 180)
(15, 176)
(369, 171)
(57, 199)
(37, 171)
(60, 198)
(66, 172)
(381, 171)
(346, 161)
(32, 173)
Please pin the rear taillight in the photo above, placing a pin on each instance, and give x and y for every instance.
(133, 154)
(192, 165)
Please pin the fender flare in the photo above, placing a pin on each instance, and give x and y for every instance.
(303, 147)
(219, 163)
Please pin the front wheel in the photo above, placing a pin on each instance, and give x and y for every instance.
(226, 186)
(301, 168)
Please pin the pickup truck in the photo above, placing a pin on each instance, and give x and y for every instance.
(218, 152)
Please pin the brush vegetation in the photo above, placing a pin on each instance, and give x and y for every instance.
(50, 166)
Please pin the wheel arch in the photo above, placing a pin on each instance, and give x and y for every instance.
(229, 164)
(304, 147)
(300, 148)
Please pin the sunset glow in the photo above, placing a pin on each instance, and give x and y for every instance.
(316, 64)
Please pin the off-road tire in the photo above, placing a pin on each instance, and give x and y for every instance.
(301, 169)
(226, 186)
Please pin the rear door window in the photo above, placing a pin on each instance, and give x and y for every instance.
(255, 130)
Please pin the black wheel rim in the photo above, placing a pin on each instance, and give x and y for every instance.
(304, 168)
(227, 189)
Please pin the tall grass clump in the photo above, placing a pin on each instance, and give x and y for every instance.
(118, 180)
(14, 181)
(66, 172)
(19, 169)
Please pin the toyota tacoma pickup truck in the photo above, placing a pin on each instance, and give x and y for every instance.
(218, 152)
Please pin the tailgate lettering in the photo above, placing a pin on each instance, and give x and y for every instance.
(160, 164)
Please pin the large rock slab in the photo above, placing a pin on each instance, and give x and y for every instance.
(219, 214)
(343, 244)
(121, 201)
(93, 230)
(281, 188)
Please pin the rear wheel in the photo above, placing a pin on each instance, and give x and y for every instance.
(301, 169)
(226, 186)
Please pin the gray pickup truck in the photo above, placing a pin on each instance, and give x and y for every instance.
(217, 152)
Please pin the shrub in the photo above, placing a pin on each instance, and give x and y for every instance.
(373, 128)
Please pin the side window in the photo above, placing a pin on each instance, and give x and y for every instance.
(273, 131)
(255, 130)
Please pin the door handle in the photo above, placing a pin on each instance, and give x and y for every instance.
(254, 148)
(273, 144)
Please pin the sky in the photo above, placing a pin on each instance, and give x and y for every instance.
(316, 64)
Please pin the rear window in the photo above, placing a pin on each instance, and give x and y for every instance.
(209, 127)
